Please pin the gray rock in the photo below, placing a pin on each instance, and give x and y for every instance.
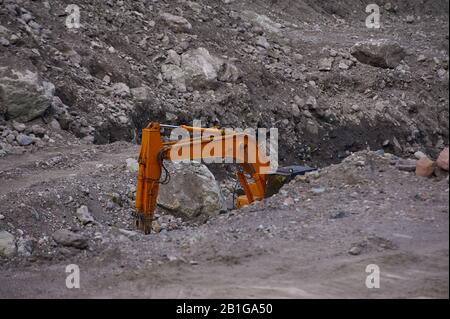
(382, 54)
(120, 89)
(419, 155)
(193, 192)
(318, 190)
(68, 238)
(25, 95)
(175, 75)
(262, 42)
(10, 138)
(199, 70)
(129, 233)
(173, 58)
(142, 93)
(176, 23)
(406, 165)
(24, 140)
(132, 165)
(5, 42)
(355, 250)
(26, 246)
(84, 216)
(410, 19)
(311, 103)
(338, 215)
(7, 244)
(421, 58)
(326, 64)
(38, 130)
(19, 127)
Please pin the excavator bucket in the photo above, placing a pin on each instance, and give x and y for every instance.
(283, 176)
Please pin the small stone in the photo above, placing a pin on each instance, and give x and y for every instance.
(440, 173)
(129, 233)
(337, 215)
(176, 23)
(172, 258)
(4, 42)
(262, 42)
(326, 64)
(360, 163)
(7, 244)
(356, 108)
(84, 216)
(419, 155)
(54, 124)
(38, 130)
(318, 190)
(355, 251)
(421, 58)
(311, 102)
(68, 238)
(132, 165)
(295, 110)
(173, 58)
(24, 140)
(120, 89)
(425, 167)
(10, 138)
(2, 217)
(406, 165)
(410, 19)
(19, 127)
(343, 66)
(442, 160)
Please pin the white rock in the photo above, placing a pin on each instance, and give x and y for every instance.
(132, 165)
(7, 244)
(84, 216)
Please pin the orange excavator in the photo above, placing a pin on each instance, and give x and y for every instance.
(204, 144)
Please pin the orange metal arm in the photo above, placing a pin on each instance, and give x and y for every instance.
(238, 148)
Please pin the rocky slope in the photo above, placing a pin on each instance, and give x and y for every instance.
(285, 64)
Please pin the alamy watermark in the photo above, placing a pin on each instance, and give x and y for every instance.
(373, 279)
(373, 20)
(228, 145)
(73, 277)
(73, 18)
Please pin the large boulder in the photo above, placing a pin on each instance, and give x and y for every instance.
(199, 69)
(24, 96)
(193, 192)
(381, 54)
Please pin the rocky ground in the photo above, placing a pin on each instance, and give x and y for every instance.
(73, 102)
(313, 239)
